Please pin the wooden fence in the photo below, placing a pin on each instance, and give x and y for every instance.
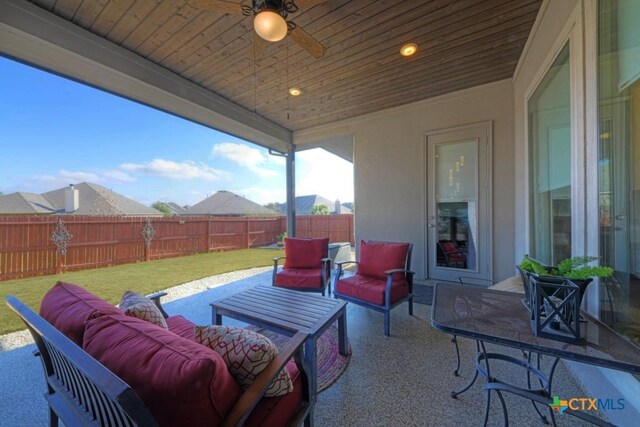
(41, 245)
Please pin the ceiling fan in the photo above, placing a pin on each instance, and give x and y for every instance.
(269, 21)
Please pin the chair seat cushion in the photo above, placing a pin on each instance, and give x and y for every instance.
(299, 278)
(68, 307)
(371, 290)
(455, 257)
(305, 253)
(378, 257)
(180, 381)
(512, 284)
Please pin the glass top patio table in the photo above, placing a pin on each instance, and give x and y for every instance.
(500, 317)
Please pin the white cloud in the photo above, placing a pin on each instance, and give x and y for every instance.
(118, 175)
(247, 157)
(49, 182)
(263, 195)
(320, 172)
(174, 170)
(78, 176)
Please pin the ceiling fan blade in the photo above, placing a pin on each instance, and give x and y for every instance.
(217, 6)
(307, 42)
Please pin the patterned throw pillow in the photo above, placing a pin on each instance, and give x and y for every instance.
(246, 354)
(136, 305)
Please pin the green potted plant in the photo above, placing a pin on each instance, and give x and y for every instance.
(577, 269)
(280, 238)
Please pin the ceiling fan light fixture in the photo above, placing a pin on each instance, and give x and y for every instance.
(408, 49)
(270, 25)
(294, 91)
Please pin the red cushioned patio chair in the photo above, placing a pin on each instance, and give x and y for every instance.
(382, 280)
(307, 266)
(451, 255)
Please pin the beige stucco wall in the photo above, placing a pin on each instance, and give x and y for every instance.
(552, 19)
(390, 159)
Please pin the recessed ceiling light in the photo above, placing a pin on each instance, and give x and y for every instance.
(294, 91)
(408, 49)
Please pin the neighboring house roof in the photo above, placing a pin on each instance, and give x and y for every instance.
(304, 205)
(228, 203)
(93, 199)
(98, 200)
(176, 208)
(25, 203)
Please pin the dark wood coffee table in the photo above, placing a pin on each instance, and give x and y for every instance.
(287, 312)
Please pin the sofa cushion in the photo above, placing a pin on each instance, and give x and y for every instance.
(246, 354)
(300, 278)
(276, 411)
(180, 381)
(68, 307)
(136, 305)
(181, 326)
(371, 290)
(305, 253)
(378, 257)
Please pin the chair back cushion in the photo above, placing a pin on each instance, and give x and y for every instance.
(305, 253)
(378, 257)
(180, 381)
(448, 246)
(68, 307)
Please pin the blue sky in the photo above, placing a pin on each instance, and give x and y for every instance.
(55, 132)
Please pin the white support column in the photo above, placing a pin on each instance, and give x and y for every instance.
(291, 191)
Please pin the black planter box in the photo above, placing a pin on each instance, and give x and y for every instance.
(554, 306)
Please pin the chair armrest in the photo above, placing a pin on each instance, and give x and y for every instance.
(341, 263)
(155, 297)
(339, 269)
(252, 395)
(399, 270)
(276, 261)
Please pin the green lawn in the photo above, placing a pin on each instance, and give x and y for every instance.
(145, 277)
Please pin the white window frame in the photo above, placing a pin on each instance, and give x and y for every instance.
(572, 33)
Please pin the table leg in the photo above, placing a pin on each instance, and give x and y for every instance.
(343, 341)
(487, 375)
(455, 394)
(216, 319)
(311, 359)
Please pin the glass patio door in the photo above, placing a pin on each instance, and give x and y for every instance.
(619, 163)
(457, 217)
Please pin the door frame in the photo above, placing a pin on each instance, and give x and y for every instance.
(481, 129)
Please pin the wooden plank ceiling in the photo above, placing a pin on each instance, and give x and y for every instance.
(462, 43)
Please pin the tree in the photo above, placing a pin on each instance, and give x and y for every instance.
(273, 206)
(163, 207)
(320, 210)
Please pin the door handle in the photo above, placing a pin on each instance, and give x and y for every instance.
(432, 226)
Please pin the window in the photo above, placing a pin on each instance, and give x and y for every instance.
(619, 162)
(549, 109)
